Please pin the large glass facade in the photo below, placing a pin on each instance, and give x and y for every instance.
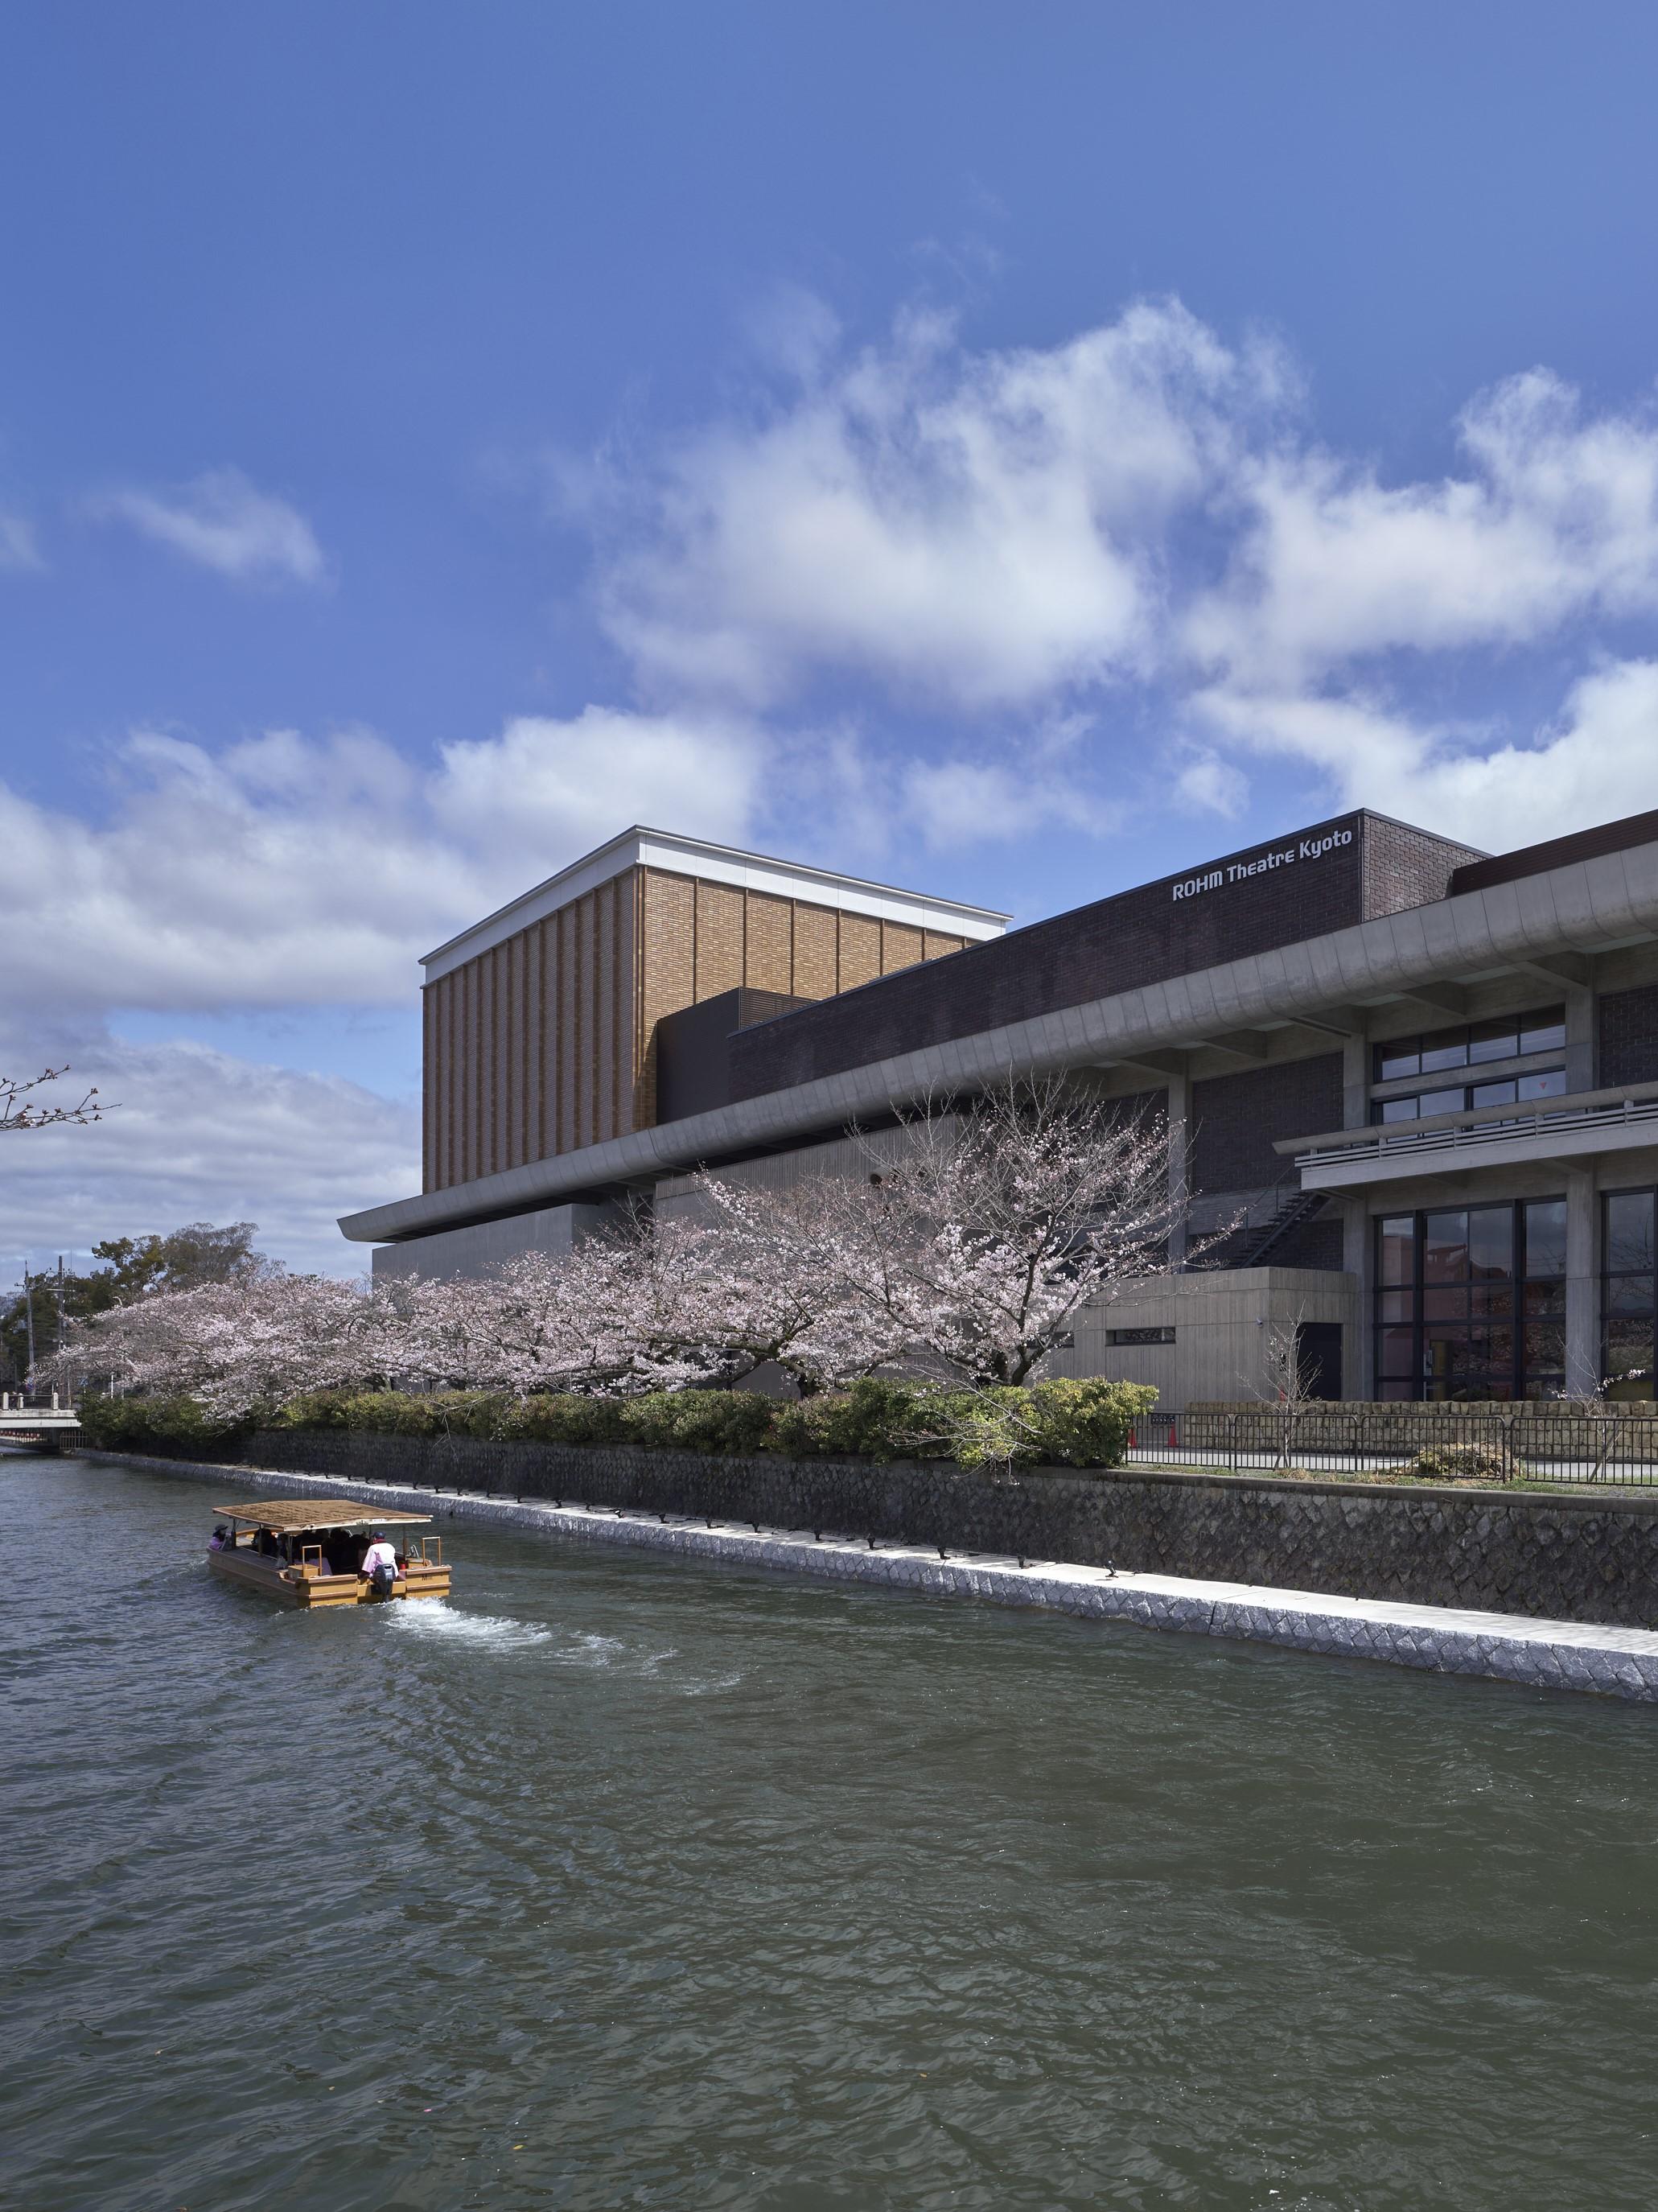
(1468, 1045)
(1626, 1298)
(1471, 1302)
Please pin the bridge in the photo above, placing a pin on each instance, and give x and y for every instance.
(44, 1428)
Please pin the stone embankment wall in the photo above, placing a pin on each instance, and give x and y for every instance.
(1583, 1557)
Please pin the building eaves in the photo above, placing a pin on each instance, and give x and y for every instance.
(1585, 907)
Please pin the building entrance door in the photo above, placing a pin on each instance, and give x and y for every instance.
(1318, 1351)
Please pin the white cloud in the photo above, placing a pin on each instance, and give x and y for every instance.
(1597, 760)
(18, 547)
(981, 529)
(543, 783)
(226, 524)
(1555, 517)
(286, 870)
(198, 1135)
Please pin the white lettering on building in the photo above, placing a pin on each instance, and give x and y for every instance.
(1261, 864)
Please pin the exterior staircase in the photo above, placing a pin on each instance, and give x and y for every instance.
(1293, 1207)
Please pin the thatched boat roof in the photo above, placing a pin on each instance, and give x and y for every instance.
(288, 1513)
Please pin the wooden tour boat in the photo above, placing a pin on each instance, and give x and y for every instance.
(309, 1551)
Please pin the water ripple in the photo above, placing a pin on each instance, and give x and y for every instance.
(622, 1882)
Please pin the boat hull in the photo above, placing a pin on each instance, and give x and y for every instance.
(303, 1587)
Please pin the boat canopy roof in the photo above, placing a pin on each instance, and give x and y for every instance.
(290, 1513)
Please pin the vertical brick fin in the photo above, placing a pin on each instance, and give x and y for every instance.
(719, 936)
(769, 961)
(569, 1043)
(431, 1067)
(934, 946)
(901, 946)
(815, 975)
(667, 971)
(861, 950)
(603, 1013)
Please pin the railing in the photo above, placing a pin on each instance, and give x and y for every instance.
(1467, 1134)
(1537, 1444)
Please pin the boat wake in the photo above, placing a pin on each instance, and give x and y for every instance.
(487, 1632)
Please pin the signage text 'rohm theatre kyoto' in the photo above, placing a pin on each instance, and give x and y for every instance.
(1261, 864)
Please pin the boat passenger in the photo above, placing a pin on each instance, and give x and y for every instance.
(216, 1541)
(380, 1562)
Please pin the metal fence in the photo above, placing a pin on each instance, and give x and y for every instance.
(1530, 1443)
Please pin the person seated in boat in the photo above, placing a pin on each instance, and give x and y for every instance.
(215, 1542)
(265, 1543)
(380, 1562)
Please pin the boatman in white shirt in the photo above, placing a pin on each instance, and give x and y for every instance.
(380, 1563)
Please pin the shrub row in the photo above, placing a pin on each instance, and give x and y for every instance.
(1064, 1423)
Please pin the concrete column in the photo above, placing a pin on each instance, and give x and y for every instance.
(1582, 1283)
(1581, 1072)
(1356, 1082)
(1358, 1360)
(1179, 1110)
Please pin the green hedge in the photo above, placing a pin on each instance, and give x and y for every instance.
(1066, 1424)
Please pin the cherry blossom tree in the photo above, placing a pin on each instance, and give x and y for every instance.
(19, 1110)
(997, 1223)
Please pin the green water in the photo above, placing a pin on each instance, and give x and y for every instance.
(624, 1883)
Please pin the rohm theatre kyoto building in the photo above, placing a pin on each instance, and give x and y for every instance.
(1410, 1090)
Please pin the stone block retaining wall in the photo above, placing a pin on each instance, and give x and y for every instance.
(1580, 1556)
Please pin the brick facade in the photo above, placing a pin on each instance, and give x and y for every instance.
(1628, 1042)
(1236, 1119)
(1119, 943)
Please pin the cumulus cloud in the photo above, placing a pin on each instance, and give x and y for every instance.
(981, 529)
(1555, 517)
(226, 524)
(286, 870)
(1597, 759)
(199, 1134)
(1141, 512)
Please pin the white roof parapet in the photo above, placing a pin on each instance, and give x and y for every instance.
(720, 864)
(1587, 906)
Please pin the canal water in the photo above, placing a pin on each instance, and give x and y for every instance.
(620, 1882)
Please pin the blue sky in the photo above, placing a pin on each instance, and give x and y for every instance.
(1009, 451)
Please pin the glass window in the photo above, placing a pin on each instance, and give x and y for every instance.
(1498, 1040)
(1396, 1352)
(1545, 1297)
(1494, 1094)
(1629, 1294)
(1449, 1048)
(1445, 1304)
(1490, 1241)
(1629, 1233)
(1496, 1299)
(1546, 1237)
(1401, 1057)
(1399, 1109)
(1550, 1083)
(1396, 1250)
(1629, 1355)
(1396, 1305)
(1545, 1031)
(1445, 1248)
(1442, 1101)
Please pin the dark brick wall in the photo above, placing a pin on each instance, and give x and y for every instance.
(1559, 1558)
(693, 1047)
(1629, 1037)
(1405, 866)
(1236, 1117)
(1119, 944)
(1557, 852)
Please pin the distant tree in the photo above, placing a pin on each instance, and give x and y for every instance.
(137, 1267)
(19, 1111)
